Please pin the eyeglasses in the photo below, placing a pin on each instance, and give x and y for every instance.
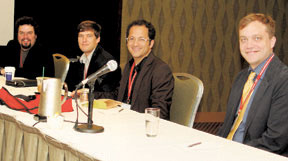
(141, 40)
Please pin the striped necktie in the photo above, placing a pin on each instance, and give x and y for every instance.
(247, 87)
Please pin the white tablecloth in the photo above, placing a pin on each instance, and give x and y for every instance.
(124, 138)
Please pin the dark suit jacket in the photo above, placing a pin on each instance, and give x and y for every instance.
(37, 58)
(105, 86)
(266, 126)
(153, 87)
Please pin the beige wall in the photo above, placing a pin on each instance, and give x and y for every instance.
(200, 37)
(7, 21)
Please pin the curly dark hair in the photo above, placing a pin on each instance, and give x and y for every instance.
(25, 20)
(151, 29)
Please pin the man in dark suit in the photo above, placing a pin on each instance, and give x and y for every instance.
(265, 111)
(147, 81)
(92, 59)
(26, 54)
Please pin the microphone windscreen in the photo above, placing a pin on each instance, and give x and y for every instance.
(112, 65)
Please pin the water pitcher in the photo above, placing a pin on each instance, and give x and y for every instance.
(50, 97)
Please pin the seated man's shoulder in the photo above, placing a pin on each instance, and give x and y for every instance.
(282, 74)
(160, 64)
(102, 57)
(107, 57)
(104, 53)
(161, 70)
(13, 46)
(278, 70)
(13, 43)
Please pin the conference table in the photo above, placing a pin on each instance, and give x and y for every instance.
(123, 139)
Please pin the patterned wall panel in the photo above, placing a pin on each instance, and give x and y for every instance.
(200, 37)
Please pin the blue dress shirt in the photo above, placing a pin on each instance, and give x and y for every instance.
(238, 136)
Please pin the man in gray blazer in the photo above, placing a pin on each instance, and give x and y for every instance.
(146, 80)
(264, 124)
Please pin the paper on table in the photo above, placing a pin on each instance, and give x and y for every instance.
(109, 111)
(103, 103)
(125, 106)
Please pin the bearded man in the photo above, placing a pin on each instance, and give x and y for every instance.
(26, 54)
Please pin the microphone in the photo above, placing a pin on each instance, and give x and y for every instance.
(109, 67)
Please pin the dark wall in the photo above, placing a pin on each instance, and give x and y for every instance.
(58, 22)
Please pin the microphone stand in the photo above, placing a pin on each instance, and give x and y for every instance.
(89, 127)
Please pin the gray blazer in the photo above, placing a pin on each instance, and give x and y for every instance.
(153, 87)
(266, 126)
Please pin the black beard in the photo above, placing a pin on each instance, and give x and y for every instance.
(26, 46)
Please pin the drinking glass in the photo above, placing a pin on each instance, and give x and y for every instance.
(152, 116)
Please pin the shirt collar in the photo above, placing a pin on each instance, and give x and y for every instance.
(86, 59)
(140, 65)
(257, 70)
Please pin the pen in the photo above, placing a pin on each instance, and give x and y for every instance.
(121, 110)
(194, 144)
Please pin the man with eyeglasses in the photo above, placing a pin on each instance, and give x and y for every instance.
(26, 54)
(146, 81)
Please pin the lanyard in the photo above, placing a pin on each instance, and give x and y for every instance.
(131, 81)
(255, 83)
(21, 63)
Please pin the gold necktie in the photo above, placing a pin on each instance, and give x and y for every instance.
(247, 87)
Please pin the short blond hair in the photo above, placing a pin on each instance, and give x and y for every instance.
(262, 18)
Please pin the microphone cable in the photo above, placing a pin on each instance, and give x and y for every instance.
(77, 111)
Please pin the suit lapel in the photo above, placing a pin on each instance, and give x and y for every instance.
(270, 71)
(257, 98)
(124, 81)
(234, 100)
(95, 62)
(143, 72)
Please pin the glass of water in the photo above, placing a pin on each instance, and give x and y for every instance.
(152, 116)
